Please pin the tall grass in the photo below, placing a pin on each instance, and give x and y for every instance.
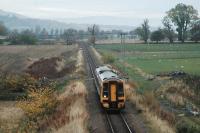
(108, 58)
(38, 104)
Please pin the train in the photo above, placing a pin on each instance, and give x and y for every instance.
(111, 88)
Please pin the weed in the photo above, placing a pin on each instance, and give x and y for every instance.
(108, 58)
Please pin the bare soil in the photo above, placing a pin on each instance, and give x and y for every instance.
(16, 59)
(54, 67)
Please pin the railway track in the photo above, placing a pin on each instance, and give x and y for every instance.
(117, 122)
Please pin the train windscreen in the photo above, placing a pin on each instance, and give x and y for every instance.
(105, 89)
(120, 90)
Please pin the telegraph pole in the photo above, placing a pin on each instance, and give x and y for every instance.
(123, 37)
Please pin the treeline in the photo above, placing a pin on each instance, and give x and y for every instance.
(180, 24)
(70, 36)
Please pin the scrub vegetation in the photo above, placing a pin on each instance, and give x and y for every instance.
(41, 92)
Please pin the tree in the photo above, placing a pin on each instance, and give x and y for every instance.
(3, 29)
(195, 31)
(37, 31)
(143, 31)
(157, 35)
(27, 37)
(70, 36)
(168, 29)
(56, 33)
(44, 33)
(52, 32)
(14, 37)
(93, 30)
(181, 16)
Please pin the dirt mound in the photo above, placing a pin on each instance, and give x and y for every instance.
(54, 67)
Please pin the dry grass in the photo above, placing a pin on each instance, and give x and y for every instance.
(177, 92)
(130, 89)
(10, 116)
(147, 104)
(176, 99)
(71, 114)
(80, 63)
(99, 57)
(160, 121)
(178, 86)
(157, 125)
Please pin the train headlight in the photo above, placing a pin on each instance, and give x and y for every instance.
(104, 96)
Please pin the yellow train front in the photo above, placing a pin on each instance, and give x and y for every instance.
(111, 90)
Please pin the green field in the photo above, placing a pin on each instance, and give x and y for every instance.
(157, 58)
(154, 59)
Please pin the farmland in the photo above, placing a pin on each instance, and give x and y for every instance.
(144, 63)
(153, 59)
(157, 58)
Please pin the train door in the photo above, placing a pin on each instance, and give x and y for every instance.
(113, 93)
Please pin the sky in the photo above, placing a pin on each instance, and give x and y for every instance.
(110, 12)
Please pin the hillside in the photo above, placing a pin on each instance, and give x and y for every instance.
(20, 22)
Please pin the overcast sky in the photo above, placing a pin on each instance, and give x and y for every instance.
(129, 10)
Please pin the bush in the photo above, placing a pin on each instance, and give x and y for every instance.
(38, 102)
(16, 83)
(37, 105)
(108, 58)
(1, 41)
(184, 126)
(25, 37)
(157, 35)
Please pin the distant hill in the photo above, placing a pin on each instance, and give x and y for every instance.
(20, 22)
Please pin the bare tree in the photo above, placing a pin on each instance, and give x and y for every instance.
(144, 31)
(3, 29)
(93, 30)
(70, 36)
(168, 29)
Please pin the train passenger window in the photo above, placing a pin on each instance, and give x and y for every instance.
(105, 89)
(120, 90)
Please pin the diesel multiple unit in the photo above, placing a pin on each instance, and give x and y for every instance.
(111, 88)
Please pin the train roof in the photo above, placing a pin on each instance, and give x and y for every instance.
(105, 73)
(102, 69)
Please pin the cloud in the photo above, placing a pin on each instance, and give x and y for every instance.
(73, 13)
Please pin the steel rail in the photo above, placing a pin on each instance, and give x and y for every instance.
(92, 66)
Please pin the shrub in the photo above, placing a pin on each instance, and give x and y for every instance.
(184, 126)
(16, 83)
(108, 58)
(38, 102)
(14, 86)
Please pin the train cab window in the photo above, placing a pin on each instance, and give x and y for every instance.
(120, 90)
(105, 90)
